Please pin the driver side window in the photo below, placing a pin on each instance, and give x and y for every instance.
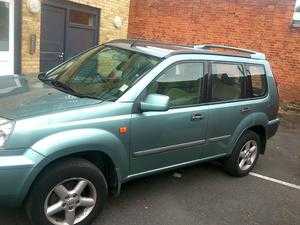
(182, 83)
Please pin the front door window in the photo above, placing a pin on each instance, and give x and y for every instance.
(182, 83)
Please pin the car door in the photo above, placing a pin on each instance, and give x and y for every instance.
(164, 139)
(228, 105)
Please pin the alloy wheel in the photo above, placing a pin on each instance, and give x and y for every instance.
(70, 202)
(247, 155)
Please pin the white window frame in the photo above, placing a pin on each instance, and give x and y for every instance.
(296, 16)
(7, 57)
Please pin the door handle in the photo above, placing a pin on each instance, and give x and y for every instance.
(61, 55)
(246, 110)
(197, 116)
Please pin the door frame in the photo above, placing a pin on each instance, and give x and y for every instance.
(15, 34)
(11, 36)
(67, 5)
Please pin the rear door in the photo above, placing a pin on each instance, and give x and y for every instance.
(228, 105)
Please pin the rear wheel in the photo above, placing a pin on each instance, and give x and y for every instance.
(69, 192)
(244, 155)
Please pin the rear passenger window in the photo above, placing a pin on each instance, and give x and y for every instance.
(227, 81)
(257, 78)
(182, 83)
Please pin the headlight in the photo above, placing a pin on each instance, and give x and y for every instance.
(6, 127)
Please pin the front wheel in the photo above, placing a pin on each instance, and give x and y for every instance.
(67, 193)
(244, 155)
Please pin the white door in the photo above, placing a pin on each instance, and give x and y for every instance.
(6, 37)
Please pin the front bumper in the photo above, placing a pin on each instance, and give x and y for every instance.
(16, 172)
(272, 127)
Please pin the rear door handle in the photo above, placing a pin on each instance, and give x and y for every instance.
(197, 116)
(246, 110)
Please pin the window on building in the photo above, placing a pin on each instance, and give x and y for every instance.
(258, 83)
(296, 17)
(4, 26)
(227, 82)
(81, 18)
(182, 83)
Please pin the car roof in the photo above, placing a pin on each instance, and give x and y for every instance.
(165, 50)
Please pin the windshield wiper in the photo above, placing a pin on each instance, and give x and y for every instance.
(61, 85)
(42, 77)
(64, 87)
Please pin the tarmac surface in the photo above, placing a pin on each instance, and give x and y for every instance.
(205, 194)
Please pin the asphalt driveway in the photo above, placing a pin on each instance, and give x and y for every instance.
(204, 194)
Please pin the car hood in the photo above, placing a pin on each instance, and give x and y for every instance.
(26, 96)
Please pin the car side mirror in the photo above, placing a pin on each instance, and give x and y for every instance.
(155, 102)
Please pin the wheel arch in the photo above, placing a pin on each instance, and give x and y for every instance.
(260, 130)
(99, 158)
(255, 122)
(100, 147)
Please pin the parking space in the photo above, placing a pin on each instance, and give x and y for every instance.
(281, 160)
(204, 194)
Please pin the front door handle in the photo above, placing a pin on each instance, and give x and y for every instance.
(246, 110)
(197, 116)
(61, 56)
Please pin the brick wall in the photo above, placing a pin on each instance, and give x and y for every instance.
(262, 25)
(31, 24)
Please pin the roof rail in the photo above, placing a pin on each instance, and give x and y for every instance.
(253, 54)
(150, 42)
(136, 41)
(118, 40)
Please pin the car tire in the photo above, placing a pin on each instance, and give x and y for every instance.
(244, 155)
(76, 187)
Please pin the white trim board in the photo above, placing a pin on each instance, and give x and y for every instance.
(7, 57)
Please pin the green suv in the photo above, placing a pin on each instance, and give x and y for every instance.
(127, 109)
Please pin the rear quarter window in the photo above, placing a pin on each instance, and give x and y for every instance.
(256, 75)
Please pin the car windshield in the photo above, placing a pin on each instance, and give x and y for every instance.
(102, 73)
